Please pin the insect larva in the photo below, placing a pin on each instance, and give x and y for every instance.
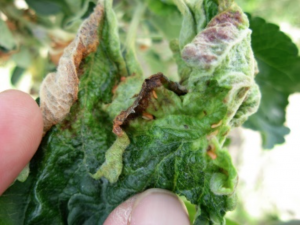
(147, 116)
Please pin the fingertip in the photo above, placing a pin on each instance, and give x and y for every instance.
(21, 128)
(153, 207)
(121, 214)
(159, 207)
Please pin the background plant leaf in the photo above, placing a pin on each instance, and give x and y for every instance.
(16, 75)
(6, 38)
(47, 7)
(278, 77)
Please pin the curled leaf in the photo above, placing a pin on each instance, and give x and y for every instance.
(211, 45)
(112, 167)
(59, 90)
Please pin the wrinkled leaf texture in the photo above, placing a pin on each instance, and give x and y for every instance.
(278, 64)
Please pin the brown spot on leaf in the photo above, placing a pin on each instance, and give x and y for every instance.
(233, 17)
(217, 124)
(143, 47)
(114, 89)
(225, 133)
(212, 134)
(211, 43)
(211, 151)
(211, 154)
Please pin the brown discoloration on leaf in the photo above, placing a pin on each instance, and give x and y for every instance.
(211, 152)
(225, 133)
(142, 100)
(217, 124)
(212, 134)
(57, 48)
(59, 90)
(211, 148)
(221, 33)
(143, 47)
(114, 89)
(230, 16)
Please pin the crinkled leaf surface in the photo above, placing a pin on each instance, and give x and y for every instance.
(176, 133)
(278, 76)
(278, 63)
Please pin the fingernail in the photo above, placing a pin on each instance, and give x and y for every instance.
(121, 214)
(158, 207)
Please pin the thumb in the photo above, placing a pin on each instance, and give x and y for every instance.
(152, 207)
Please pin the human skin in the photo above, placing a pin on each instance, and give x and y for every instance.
(21, 128)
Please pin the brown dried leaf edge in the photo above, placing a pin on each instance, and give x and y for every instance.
(59, 90)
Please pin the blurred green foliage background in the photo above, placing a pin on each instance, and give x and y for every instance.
(274, 11)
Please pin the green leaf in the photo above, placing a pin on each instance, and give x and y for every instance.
(211, 9)
(270, 117)
(11, 211)
(66, 13)
(171, 136)
(230, 222)
(276, 55)
(47, 7)
(278, 76)
(17, 75)
(23, 58)
(24, 174)
(162, 7)
(6, 38)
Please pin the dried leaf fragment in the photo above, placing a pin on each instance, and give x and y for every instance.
(59, 90)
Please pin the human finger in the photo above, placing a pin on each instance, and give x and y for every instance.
(153, 207)
(21, 128)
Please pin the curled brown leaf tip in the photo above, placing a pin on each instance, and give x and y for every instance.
(141, 103)
(59, 90)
